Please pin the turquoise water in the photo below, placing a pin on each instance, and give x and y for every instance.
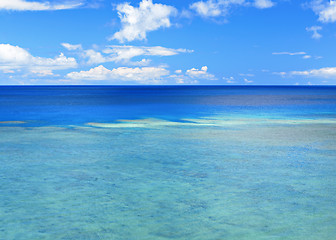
(167, 163)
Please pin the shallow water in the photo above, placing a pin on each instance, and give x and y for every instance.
(167, 163)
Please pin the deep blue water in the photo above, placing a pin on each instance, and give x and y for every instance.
(155, 163)
(78, 105)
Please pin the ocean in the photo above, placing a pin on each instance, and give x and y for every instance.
(167, 162)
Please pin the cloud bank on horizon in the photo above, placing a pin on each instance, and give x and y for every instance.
(153, 42)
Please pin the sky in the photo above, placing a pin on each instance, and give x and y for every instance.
(170, 42)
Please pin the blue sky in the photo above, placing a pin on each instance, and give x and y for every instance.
(229, 42)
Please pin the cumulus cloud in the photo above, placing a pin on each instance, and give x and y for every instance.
(136, 22)
(328, 72)
(15, 57)
(315, 29)
(22, 5)
(326, 10)
(200, 74)
(215, 8)
(143, 75)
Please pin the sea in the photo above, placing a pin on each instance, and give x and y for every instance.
(167, 162)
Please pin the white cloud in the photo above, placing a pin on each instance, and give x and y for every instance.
(200, 74)
(328, 14)
(162, 51)
(289, 53)
(95, 57)
(122, 53)
(142, 75)
(16, 58)
(136, 22)
(315, 30)
(7, 70)
(207, 9)
(182, 79)
(42, 72)
(247, 81)
(263, 4)
(215, 8)
(326, 10)
(229, 79)
(72, 47)
(246, 74)
(328, 72)
(116, 53)
(22, 5)
(303, 54)
(142, 62)
(282, 74)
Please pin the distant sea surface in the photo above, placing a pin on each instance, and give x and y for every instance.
(168, 162)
